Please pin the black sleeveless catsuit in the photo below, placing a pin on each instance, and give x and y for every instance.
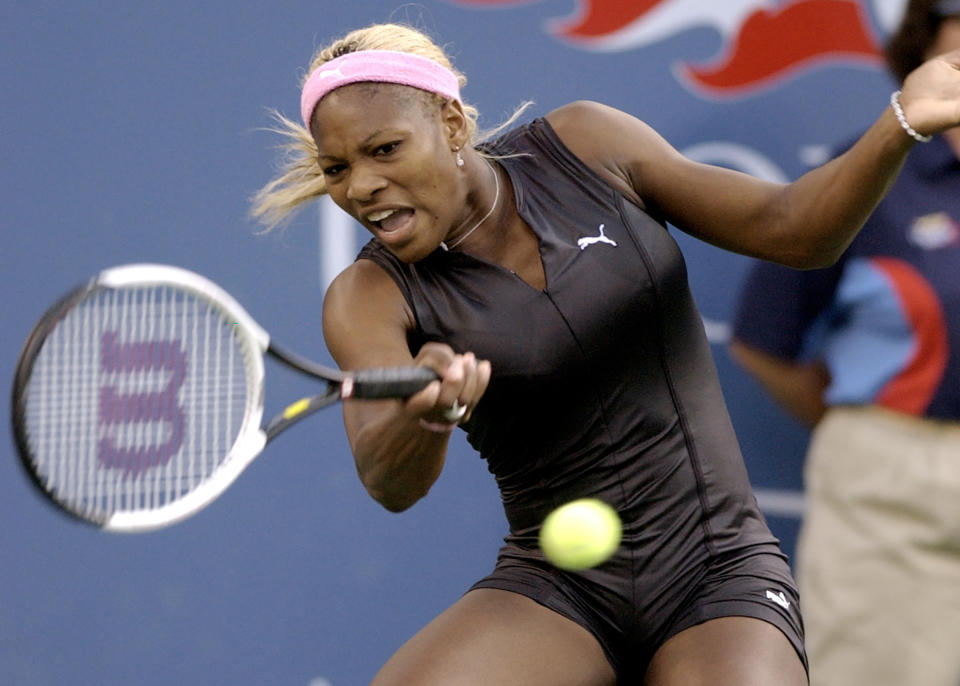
(603, 385)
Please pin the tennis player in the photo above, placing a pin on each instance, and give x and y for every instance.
(534, 273)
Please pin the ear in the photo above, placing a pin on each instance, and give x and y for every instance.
(454, 123)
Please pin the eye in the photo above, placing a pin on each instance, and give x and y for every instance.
(333, 170)
(386, 148)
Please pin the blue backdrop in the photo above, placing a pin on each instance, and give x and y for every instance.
(133, 132)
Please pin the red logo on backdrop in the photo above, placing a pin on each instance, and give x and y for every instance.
(764, 45)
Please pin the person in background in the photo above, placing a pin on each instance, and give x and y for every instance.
(534, 274)
(867, 352)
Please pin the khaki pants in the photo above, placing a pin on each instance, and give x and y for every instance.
(878, 556)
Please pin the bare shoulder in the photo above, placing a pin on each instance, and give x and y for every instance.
(586, 114)
(616, 145)
(366, 318)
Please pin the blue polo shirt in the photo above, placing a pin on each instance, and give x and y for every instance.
(885, 318)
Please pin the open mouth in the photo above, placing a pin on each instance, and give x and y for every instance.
(390, 221)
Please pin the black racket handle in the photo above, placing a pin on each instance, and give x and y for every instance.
(387, 382)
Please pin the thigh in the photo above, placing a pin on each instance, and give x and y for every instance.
(492, 637)
(729, 651)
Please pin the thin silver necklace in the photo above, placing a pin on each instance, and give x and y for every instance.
(496, 199)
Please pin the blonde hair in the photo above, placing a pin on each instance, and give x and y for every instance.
(300, 178)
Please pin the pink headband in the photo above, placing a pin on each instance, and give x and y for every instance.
(384, 66)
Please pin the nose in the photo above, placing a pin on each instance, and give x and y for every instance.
(364, 183)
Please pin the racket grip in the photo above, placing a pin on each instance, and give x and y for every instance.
(387, 382)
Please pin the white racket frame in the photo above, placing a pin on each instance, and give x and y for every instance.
(250, 439)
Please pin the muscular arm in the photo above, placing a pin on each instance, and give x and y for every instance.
(365, 323)
(804, 224)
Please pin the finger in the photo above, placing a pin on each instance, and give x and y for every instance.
(451, 384)
(454, 374)
(437, 356)
(484, 371)
(423, 402)
(469, 379)
(481, 381)
(931, 94)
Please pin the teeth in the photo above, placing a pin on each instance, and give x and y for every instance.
(380, 216)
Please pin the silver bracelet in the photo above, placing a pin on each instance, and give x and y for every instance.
(897, 110)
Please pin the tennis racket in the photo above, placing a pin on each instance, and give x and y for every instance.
(138, 396)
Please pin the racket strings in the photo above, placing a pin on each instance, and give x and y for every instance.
(136, 398)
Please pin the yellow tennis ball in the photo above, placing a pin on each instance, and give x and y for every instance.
(581, 534)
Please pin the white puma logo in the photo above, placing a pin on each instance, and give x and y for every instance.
(327, 73)
(590, 240)
(779, 599)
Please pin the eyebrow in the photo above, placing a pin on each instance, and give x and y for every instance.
(365, 142)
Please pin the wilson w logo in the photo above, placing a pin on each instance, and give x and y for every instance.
(141, 421)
